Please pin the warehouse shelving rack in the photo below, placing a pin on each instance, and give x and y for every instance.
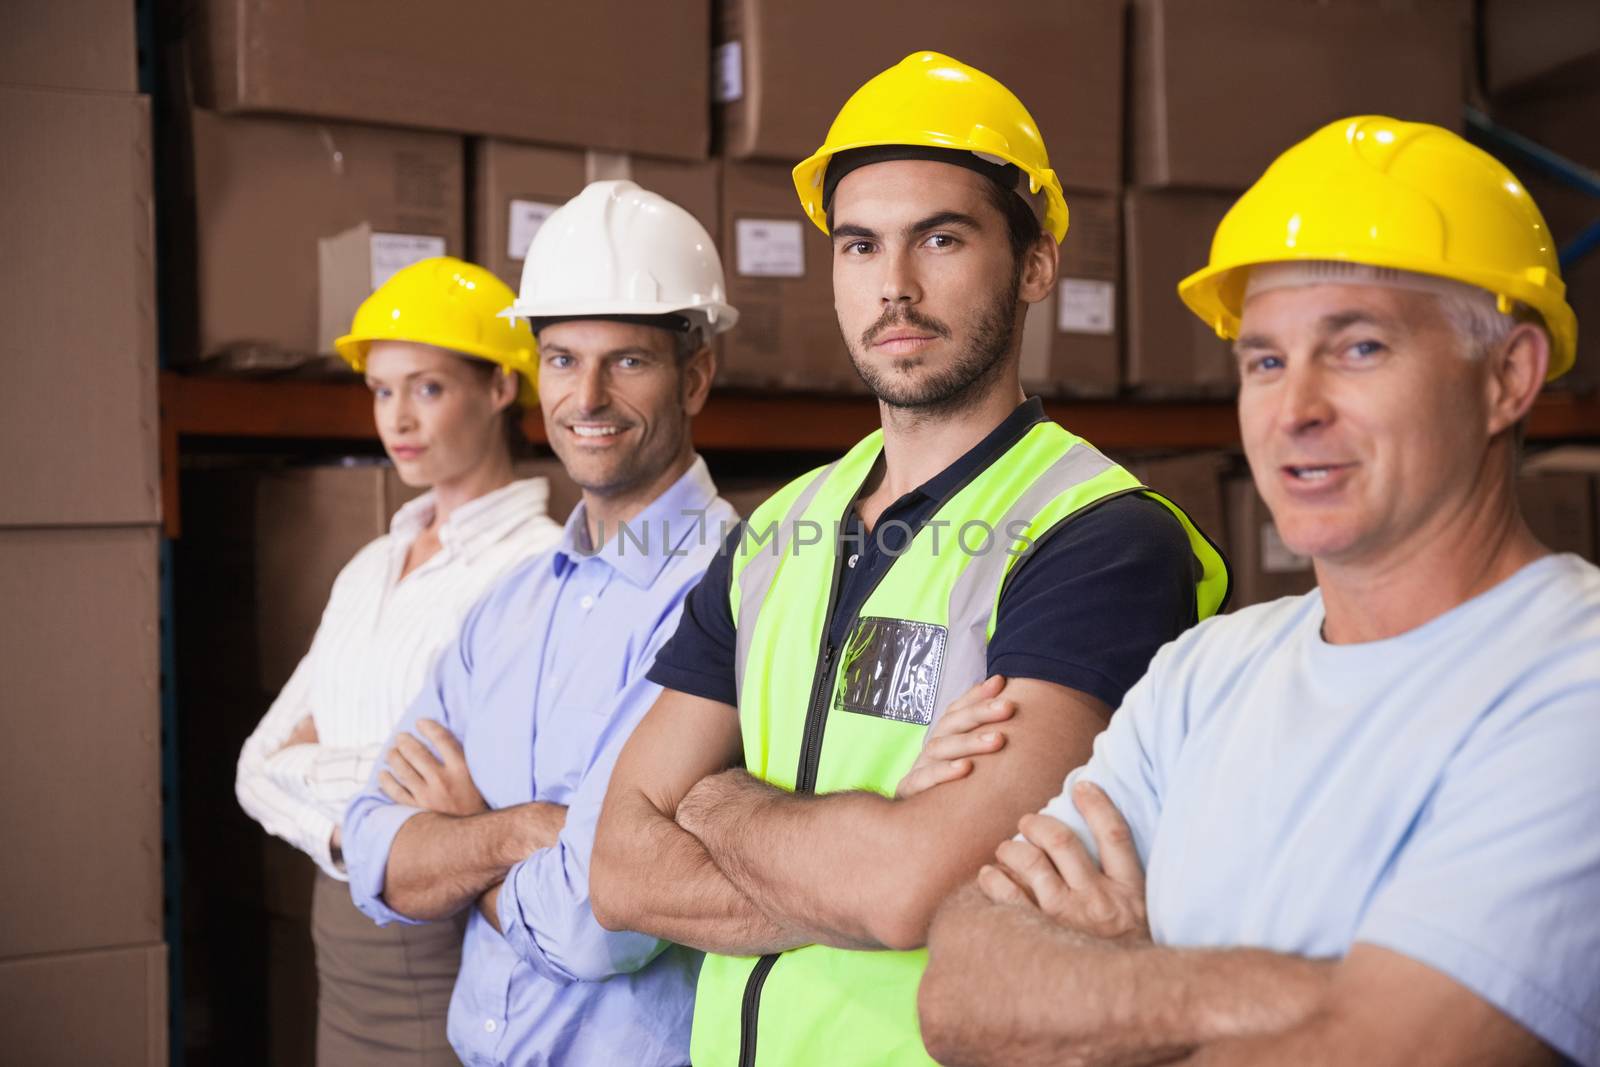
(733, 420)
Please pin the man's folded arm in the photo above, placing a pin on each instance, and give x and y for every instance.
(860, 870)
(649, 874)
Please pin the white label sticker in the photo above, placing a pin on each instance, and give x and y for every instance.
(1086, 306)
(1277, 557)
(395, 251)
(523, 219)
(727, 72)
(770, 248)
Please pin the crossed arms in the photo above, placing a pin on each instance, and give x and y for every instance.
(691, 851)
(1046, 957)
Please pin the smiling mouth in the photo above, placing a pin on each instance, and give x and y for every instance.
(1319, 473)
(595, 432)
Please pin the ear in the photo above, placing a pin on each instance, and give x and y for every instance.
(1515, 375)
(1040, 263)
(504, 387)
(695, 377)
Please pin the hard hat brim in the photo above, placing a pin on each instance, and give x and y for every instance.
(352, 348)
(1216, 294)
(808, 178)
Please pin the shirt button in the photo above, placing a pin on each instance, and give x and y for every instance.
(586, 603)
(851, 562)
(488, 1024)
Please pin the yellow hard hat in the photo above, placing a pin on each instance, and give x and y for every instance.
(452, 304)
(1404, 195)
(933, 101)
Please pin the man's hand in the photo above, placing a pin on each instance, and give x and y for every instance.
(304, 733)
(959, 735)
(415, 778)
(1052, 871)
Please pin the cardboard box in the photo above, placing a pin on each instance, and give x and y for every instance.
(1219, 89)
(611, 74)
(1560, 497)
(1264, 568)
(78, 415)
(1072, 344)
(780, 277)
(784, 70)
(1170, 352)
(517, 186)
(105, 1008)
(80, 808)
(1528, 42)
(310, 521)
(1192, 481)
(69, 44)
(265, 192)
(1559, 507)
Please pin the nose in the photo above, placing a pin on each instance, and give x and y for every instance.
(900, 283)
(402, 411)
(593, 393)
(1304, 405)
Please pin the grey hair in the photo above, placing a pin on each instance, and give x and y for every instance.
(1479, 324)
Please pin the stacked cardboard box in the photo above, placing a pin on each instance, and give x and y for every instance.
(783, 71)
(1217, 91)
(82, 964)
(319, 149)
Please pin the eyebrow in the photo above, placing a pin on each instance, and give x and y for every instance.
(938, 220)
(1339, 320)
(1327, 326)
(627, 350)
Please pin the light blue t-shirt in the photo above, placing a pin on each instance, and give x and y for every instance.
(1436, 794)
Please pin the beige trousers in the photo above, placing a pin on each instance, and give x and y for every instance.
(383, 991)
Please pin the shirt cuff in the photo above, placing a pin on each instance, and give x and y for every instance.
(548, 923)
(290, 768)
(369, 831)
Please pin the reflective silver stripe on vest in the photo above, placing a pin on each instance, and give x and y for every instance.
(756, 578)
(972, 600)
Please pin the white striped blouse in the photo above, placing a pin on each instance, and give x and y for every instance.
(377, 640)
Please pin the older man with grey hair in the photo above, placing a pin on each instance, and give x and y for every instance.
(1360, 825)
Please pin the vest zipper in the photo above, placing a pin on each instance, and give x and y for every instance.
(805, 782)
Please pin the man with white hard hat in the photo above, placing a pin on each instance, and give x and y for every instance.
(624, 291)
(1360, 825)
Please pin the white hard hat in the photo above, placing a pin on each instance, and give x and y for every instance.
(617, 249)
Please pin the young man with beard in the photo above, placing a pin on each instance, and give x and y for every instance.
(753, 814)
(490, 794)
(1360, 826)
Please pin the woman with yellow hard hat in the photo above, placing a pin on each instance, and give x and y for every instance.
(447, 374)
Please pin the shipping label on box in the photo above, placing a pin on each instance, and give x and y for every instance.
(523, 219)
(770, 248)
(391, 253)
(727, 76)
(1084, 305)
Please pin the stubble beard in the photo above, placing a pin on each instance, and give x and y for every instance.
(964, 382)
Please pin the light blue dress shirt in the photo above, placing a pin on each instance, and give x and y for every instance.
(544, 685)
(1435, 794)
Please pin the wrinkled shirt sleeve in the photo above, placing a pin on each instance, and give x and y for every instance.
(544, 902)
(373, 820)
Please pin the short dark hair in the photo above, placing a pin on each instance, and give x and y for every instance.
(1023, 228)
